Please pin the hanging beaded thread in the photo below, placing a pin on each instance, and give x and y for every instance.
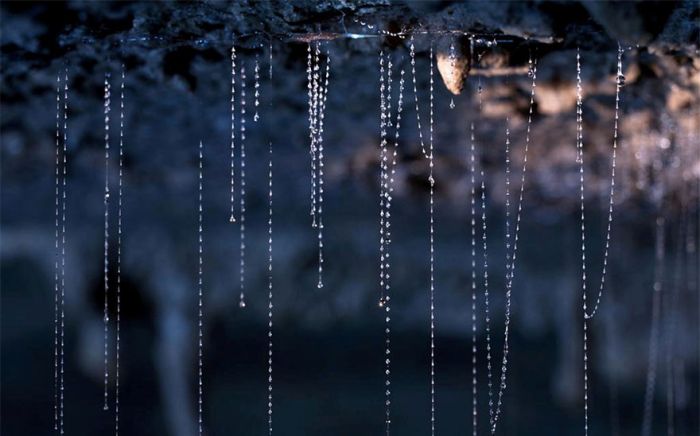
(387, 172)
(241, 279)
(57, 253)
(107, 110)
(511, 242)
(232, 217)
(431, 180)
(472, 216)
(200, 315)
(317, 88)
(64, 201)
(119, 254)
(269, 270)
(611, 203)
(60, 247)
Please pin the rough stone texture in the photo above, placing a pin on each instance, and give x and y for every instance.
(178, 82)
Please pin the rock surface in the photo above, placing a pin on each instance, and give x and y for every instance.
(177, 62)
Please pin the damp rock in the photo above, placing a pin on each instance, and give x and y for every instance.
(554, 98)
(453, 63)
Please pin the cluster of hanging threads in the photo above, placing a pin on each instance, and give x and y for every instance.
(428, 154)
(611, 203)
(200, 315)
(512, 248)
(312, 92)
(321, 116)
(485, 264)
(60, 250)
(107, 110)
(384, 124)
(383, 276)
(241, 301)
(232, 217)
(317, 87)
(382, 145)
(487, 313)
(383, 301)
(119, 253)
(387, 172)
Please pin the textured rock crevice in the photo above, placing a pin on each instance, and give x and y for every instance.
(177, 92)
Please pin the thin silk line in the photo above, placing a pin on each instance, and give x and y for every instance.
(200, 315)
(432, 255)
(510, 269)
(119, 254)
(64, 201)
(57, 253)
(107, 110)
(232, 217)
